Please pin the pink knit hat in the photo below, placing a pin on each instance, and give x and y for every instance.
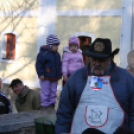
(74, 40)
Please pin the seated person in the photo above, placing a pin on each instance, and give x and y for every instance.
(27, 99)
(5, 105)
(130, 60)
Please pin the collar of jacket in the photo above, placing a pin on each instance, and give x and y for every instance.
(42, 48)
(24, 92)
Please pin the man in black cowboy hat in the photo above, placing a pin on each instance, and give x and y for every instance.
(100, 95)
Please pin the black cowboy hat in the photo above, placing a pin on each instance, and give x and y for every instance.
(100, 48)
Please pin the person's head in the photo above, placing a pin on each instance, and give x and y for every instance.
(100, 55)
(92, 131)
(53, 42)
(74, 44)
(17, 86)
(99, 66)
(130, 59)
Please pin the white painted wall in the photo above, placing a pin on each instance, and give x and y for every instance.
(47, 22)
(126, 31)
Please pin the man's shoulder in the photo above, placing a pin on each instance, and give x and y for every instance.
(123, 71)
(33, 92)
(124, 75)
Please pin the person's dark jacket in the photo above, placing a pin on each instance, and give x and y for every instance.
(5, 105)
(48, 64)
(123, 86)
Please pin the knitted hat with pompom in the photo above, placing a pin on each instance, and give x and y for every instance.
(52, 40)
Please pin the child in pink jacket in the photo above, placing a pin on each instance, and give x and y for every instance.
(72, 58)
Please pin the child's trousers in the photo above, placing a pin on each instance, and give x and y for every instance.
(48, 92)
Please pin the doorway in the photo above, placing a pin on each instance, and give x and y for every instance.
(85, 41)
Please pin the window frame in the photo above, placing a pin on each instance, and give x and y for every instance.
(84, 40)
(4, 48)
(9, 35)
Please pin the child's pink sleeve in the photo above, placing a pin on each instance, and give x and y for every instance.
(65, 63)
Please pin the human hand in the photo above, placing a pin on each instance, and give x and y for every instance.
(41, 77)
(65, 78)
